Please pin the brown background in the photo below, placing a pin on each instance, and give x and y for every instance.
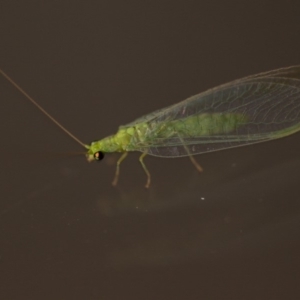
(65, 233)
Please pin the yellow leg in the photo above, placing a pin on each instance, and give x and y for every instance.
(194, 162)
(115, 181)
(141, 159)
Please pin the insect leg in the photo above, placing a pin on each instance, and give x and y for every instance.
(115, 181)
(141, 159)
(193, 160)
(195, 163)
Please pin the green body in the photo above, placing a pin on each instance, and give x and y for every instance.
(141, 135)
(254, 109)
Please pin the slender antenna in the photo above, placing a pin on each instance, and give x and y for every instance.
(43, 110)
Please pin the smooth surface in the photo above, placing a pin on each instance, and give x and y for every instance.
(65, 233)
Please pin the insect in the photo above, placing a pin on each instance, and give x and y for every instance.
(250, 110)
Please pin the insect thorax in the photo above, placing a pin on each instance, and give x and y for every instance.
(132, 138)
(126, 139)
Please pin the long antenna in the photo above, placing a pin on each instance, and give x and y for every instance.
(43, 110)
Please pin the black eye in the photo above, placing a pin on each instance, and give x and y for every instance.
(99, 155)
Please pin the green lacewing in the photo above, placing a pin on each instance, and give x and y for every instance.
(250, 110)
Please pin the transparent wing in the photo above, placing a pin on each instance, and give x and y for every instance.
(246, 111)
(289, 72)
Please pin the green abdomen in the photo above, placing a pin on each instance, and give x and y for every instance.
(202, 125)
